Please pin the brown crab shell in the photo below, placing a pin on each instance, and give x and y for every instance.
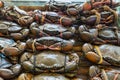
(50, 61)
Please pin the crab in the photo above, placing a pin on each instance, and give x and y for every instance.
(99, 3)
(103, 15)
(7, 69)
(11, 49)
(12, 30)
(58, 6)
(100, 35)
(49, 61)
(50, 30)
(97, 73)
(51, 43)
(52, 17)
(105, 54)
(73, 9)
(13, 12)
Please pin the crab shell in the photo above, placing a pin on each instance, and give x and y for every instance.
(111, 54)
(51, 16)
(10, 29)
(50, 30)
(110, 35)
(51, 43)
(8, 70)
(104, 73)
(52, 61)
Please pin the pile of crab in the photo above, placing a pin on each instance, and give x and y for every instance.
(63, 41)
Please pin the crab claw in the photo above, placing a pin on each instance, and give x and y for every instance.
(87, 47)
(18, 36)
(93, 71)
(25, 20)
(10, 73)
(93, 57)
(40, 46)
(72, 64)
(65, 21)
(14, 52)
(62, 46)
(56, 46)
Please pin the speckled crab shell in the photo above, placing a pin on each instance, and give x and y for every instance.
(50, 61)
(51, 43)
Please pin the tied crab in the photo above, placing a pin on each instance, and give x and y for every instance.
(101, 35)
(70, 9)
(50, 30)
(104, 15)
(13, 13)
(10, 29)
(51, 43)
(49, 61)
(52, 17)
(11, 49)
(7, 69)
(104, 54)
(92, 4)
(97, 73)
